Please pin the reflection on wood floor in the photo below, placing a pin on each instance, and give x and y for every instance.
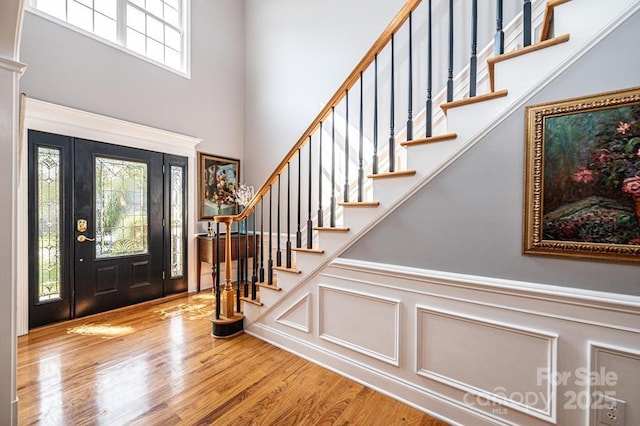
(156, 363)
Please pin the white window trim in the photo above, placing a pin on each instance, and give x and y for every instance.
(186, 39)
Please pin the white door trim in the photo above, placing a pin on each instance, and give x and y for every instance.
(58, 119)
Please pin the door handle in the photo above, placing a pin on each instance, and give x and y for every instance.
(83, 238)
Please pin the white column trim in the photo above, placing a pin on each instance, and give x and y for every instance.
(52, 118)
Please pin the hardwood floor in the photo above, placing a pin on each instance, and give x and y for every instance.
(156, 363)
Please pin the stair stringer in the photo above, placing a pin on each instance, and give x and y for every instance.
(431, 159)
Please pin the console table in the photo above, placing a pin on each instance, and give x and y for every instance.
(207, 250)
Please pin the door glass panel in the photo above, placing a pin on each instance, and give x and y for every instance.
(121, 208)
(49, 215)
(177, 223)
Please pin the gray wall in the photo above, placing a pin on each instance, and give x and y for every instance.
(70, 69)
(299, 52)
(297, 55)
(469, 218)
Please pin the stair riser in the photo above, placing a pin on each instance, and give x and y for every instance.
(252, 312)
(331, 241)
(269, 297)
(519, 74)
(308, 261)
(577, 17)
(387, 190)
(358, 217)
(429, 157)
(469, 120)
(287, 280)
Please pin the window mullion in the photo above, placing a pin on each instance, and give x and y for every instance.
(122, 22)
(153, 15)
(174, 55)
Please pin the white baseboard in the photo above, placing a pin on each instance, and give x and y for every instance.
(14, 412)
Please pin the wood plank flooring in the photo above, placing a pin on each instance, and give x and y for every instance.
(157, 364)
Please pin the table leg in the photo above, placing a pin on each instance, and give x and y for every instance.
(198, 272)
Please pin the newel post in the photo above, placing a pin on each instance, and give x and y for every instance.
(228, 294)
(230, 323)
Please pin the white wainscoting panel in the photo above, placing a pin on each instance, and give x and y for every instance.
(615, 373)
(298, 315)
(470, 350)
(373, 332)
(496, 361)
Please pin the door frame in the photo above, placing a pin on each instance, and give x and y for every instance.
(52, 118)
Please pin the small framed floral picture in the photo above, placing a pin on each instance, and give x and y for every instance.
(582, 189)
(217, 183)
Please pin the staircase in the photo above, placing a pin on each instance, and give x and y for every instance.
(456, 123)
(459, 129)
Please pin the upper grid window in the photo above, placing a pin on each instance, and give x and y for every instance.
(153, 28)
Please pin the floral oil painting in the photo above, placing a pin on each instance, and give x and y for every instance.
(217, 183)
(582, 190)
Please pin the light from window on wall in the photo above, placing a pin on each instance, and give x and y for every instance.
(151, 28)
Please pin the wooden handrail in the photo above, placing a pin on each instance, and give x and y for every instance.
(350, 81)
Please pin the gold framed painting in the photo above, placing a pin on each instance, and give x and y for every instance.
(217, 183)
(582, 178)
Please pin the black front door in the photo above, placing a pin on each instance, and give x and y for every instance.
(99, 238)
(118, 194)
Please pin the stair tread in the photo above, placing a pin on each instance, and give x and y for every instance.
(515, 53)
(480, 98)
(292, 270)
(331, 228)
(308, 250)
(360, 204)
(249, 300)
(271, 287)
(265, 282)
(386, 175)
(430, 139)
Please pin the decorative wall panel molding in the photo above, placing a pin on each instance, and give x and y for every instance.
(374, 331)
(614, 371)
(298, 315)
(473, 350)
(488, 359)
